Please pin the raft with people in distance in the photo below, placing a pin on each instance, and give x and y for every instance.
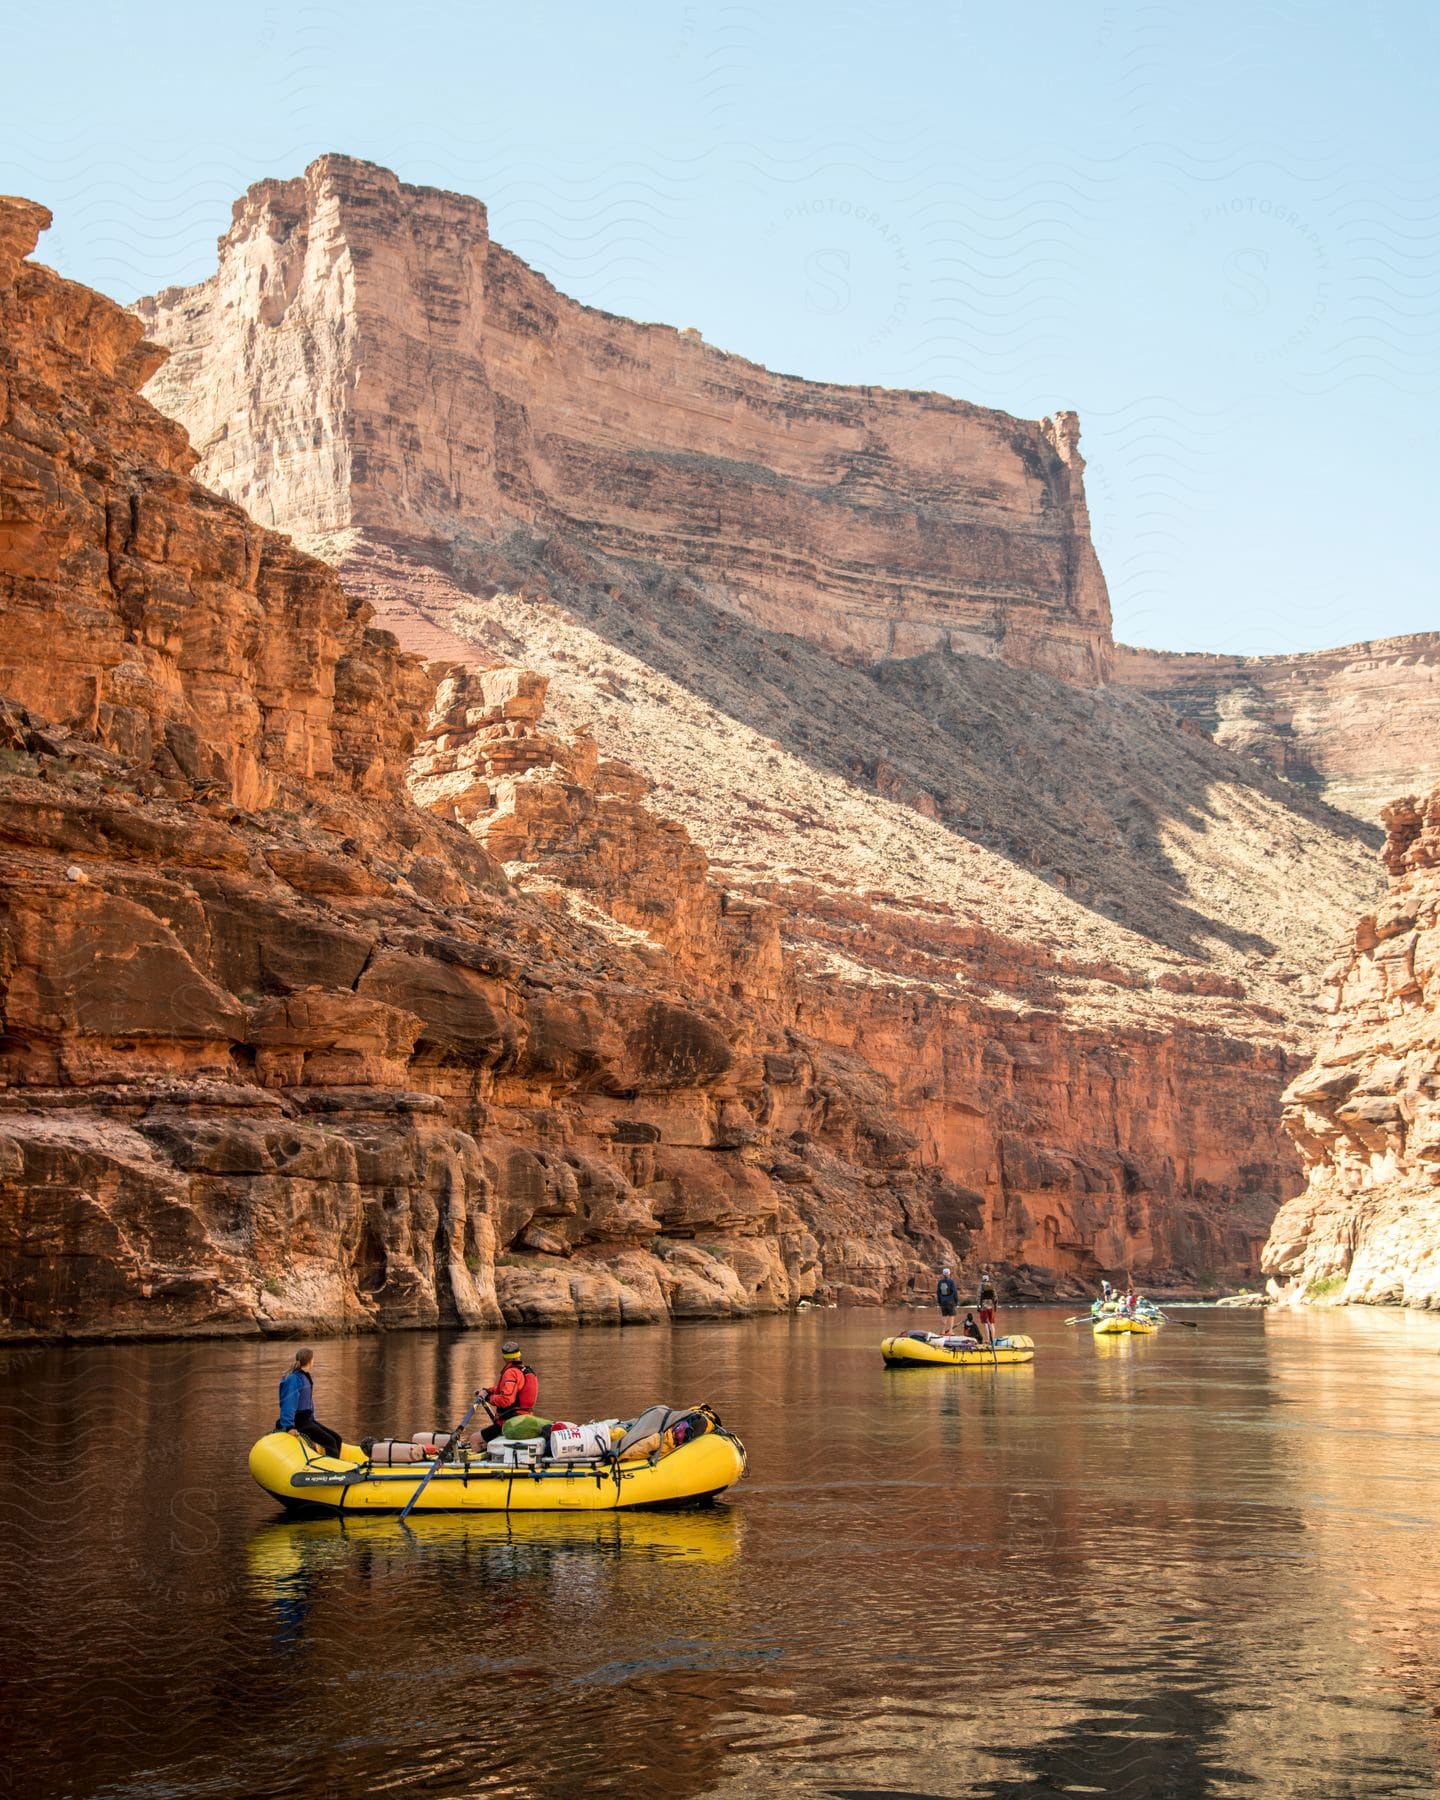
(666, 1457)
(924, 1348)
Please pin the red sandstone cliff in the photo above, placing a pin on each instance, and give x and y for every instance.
(1356, 724)
(1366, 1115)
(280, 1047)
(1065, 945)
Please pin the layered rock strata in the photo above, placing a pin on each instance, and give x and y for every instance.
(1071, 941)
(1357, 724)
(351, 316)
(1366, 1114)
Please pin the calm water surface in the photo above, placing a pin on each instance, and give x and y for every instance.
(1200, 1563)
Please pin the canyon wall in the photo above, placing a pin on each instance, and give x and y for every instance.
(279, 1047)
(1357, 724)
(365, 355)
(1366, 1114)
(338, 992)
(854, 643)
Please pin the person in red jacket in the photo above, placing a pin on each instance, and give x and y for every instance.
(515, 1391)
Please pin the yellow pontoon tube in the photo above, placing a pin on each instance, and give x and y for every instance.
(916, 1348)
(289, 1469)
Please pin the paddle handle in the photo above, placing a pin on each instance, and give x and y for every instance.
(455, 1437)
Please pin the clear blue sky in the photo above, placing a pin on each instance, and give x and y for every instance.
(1214, 231)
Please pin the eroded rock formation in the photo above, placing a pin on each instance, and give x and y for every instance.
(1357, 724)
(1366, 1114)
(1065, 1149)
(1063, 944)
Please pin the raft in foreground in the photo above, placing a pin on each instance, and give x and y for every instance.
(692, 1473)
(913, 1349)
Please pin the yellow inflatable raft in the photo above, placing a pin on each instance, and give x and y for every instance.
(292, 1472)
(910, 1349)
(1115, 1325)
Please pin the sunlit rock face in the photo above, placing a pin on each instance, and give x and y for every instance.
(366, 356)
(853, 648)
(1366, 1114)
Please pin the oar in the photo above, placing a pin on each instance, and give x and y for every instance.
(455, 1436)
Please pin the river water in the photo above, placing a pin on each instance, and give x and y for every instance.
(1200, 1563)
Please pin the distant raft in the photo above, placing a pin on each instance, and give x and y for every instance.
(913, 1349)
(511, 1477)
(1118, 1324)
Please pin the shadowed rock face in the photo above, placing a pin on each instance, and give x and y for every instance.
(1366, 1114)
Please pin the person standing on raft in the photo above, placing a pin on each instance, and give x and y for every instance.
(515, 1391)
(986, 1300)
(297, 1405)
(947, 1298)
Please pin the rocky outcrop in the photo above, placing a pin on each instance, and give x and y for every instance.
(1356, 724)
(1366, 1114)
(352, 315)
(1027, 930)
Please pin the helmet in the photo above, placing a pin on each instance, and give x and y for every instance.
(509, 1349)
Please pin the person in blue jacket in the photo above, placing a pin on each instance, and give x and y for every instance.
(297, 1405)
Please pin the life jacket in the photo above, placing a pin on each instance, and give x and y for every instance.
(518, 1397)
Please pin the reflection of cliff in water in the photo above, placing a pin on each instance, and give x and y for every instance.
(1356, 1379)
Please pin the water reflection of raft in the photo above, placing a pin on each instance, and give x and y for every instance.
(1116, 1326)
(284, 1550)
(916, 1348)
(693, 1472)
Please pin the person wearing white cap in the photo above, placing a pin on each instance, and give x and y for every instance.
(947, 1298)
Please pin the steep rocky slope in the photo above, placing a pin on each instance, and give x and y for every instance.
(1366, 1115)
(857, 641)
(279, 1046)
(1356, 725)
